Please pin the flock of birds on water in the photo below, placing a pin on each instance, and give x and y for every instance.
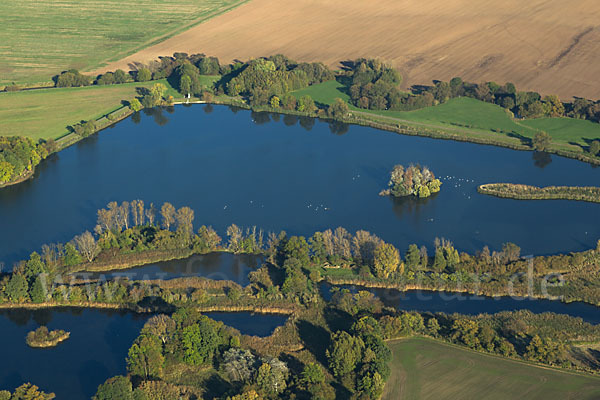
(320, 207)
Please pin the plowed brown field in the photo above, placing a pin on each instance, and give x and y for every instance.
(552, 46)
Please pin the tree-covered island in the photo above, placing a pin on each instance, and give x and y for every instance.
(42, 337)
(412, 181)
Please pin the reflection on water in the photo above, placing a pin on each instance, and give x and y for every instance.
(411, 205)
(541, 159)
(157, 113)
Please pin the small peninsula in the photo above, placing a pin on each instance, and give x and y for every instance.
(527, 192)
(43, 338)
(412, 181)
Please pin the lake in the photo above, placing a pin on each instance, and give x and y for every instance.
(216, 266)
(95, 351)
(299, 175)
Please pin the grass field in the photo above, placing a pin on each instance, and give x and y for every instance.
(46, 113)
(427, 369)
(324, 93)
(567, 129)
(40, 38)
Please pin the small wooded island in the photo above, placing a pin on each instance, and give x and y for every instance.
(412, 181)
(526, 192)
(43, 338)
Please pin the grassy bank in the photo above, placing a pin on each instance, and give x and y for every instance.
(46, 113)
(46, 37)
(427, 369)
(471, 120)
(527, 192)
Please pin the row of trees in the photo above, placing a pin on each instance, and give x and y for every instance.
(26, 391)
(74, 78)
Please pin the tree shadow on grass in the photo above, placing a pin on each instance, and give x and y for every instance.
(315, 338)
(524, 139)
(338, 320)
(216, 387)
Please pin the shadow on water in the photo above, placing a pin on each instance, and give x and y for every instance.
(410, 205)
(290, 120)
(260, 117)
(541, 159)
(307, 123)
(157, 113)
(338, 128)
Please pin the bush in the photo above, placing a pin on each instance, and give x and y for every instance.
(72, 78)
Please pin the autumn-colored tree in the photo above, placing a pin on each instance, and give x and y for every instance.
(167, 211)
(541, 141)
(386, 261)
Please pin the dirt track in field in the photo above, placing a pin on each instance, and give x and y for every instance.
(551, 46)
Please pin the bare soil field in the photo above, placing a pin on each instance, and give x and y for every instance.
(551, 46)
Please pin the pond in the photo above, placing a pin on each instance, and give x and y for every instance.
(299, 175)
(462, 303)
(216, 266)
(95, 351)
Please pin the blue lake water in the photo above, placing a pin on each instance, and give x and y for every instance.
(284, 173)
(215, 266)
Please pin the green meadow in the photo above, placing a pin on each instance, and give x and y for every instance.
(46, 113)
(471, 118)
(427, 369)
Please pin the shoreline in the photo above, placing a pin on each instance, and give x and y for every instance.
(140, 310)
(21, 179)
(369, 120)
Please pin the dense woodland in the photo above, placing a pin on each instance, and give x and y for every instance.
(20, 155)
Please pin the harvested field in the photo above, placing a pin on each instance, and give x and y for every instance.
(544, 45)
